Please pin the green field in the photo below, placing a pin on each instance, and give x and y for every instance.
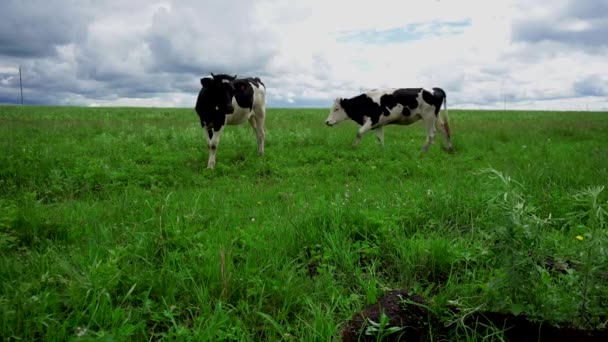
(112, 228)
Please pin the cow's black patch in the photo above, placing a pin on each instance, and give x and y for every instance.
(212, 119)
(243, 91)
(214, 100)
(360, 106)
(407, 97)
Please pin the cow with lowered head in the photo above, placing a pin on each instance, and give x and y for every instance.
(377, 108)
(228, 100)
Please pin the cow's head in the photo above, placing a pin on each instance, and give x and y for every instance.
(337, 112)
(220, 90)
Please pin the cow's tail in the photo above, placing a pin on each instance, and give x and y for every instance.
(443, 114)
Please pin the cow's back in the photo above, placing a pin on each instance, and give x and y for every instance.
(249, 96)
(434, 97)
(259, 93)
(249, 92)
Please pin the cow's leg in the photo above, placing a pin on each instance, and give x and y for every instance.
(367, 126)
(260, 117)
(254, 125)
(448, 136)
(213, 141)
(443, 126)
(208, 136)
(380, 135)
(429, 123)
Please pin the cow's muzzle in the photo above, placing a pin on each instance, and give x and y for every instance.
(329, 123)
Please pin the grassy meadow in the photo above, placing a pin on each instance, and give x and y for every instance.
(112, 228)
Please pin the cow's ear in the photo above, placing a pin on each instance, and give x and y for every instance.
(343, 102)
(234, 78)
(206, 82)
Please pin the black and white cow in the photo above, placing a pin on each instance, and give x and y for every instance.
(403, 106)
(227, 100)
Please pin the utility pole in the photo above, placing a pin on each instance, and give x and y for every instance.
(21, 85)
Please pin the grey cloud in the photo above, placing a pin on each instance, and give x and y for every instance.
(9, 79)
(591, 86)
(553, 28)
(214, 36)
(591, 9)
(538, 31)
(35, 28)
(142, 60)
(495, 69)
(80, 52)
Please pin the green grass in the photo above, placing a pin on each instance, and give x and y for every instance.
(112, 228)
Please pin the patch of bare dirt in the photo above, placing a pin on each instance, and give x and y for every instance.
(406, 315)
(520, 328)
(408, 319)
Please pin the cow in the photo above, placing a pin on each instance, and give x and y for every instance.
(377, 108)
(228, 100)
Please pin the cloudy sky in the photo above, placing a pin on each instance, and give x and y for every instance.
(535, 54)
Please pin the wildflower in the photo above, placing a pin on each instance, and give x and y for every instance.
(81, 331)
(579, 238)
(253, 219)
(259, 202)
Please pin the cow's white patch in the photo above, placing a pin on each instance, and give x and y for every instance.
(240, 114)
(376, 94)
(225, 81)
(336, 114)
(396, 111)
(213, 143)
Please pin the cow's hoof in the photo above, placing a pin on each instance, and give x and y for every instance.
(448, 149)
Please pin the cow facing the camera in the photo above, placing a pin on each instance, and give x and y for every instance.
(228, 100)
(402, 106)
